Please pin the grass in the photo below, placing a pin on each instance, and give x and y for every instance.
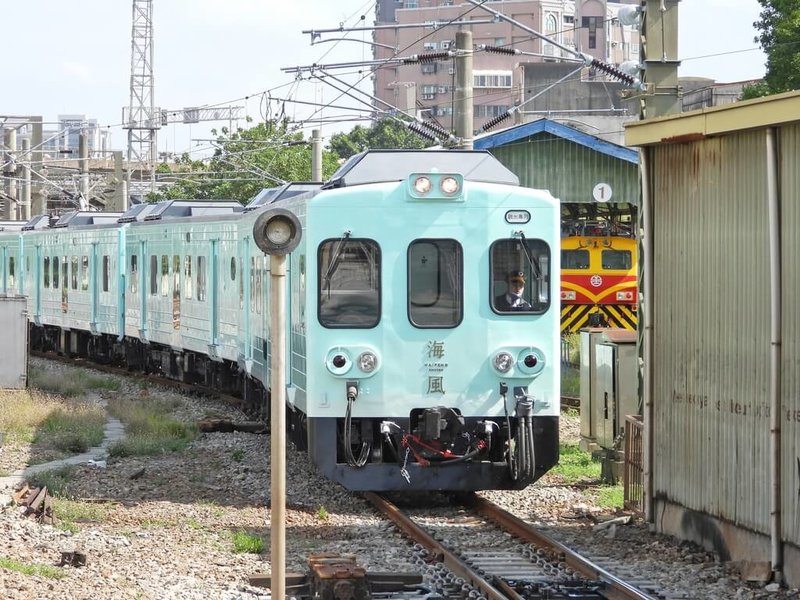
(322, 513)
(575, 465)
(238, 455)
(611, 496)
(31, 569)
(55, 424)
(57, 481)
(246, 542)
(570, 382)
(71, 383)
(71, 512)
(149, 427)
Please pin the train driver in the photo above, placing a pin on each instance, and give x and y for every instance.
(512, 299)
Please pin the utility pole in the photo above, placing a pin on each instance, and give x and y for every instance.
(141, 117)
(10, 171)
(25, 201)
(316, 155)
(83, 161)
(659, 54)
(463, 93)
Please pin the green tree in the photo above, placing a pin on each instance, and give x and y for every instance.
(244, 163)
(779, 38)
(385, 134)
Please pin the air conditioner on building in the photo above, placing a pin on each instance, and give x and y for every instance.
(451, 71)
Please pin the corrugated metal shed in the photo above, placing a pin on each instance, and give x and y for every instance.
(711, 351)
(548, 155)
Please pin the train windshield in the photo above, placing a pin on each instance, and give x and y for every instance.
(520, 276)
(574, 259)
(435, 285)
(616, 259)
(349, 283)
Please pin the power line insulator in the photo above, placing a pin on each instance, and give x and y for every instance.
(613, 72)
(419, 130)
(496, 121)
(427, 58)
(501, 50)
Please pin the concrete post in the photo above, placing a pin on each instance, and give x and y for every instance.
(25, 200)
(10, 173)
(316, 155)
(463, 95)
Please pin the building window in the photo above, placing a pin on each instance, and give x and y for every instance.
(492, 79)
(410, 4)
(499, 41)
(592, 24)
(490, 110)
(428, 68)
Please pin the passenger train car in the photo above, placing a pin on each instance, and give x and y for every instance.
(407, 368)
(598, 279)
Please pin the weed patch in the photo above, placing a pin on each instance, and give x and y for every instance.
(150, 428)
(575, 465)
(246, 542)
(31, 569)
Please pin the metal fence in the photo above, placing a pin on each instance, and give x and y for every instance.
(567, 357)
(634, 463)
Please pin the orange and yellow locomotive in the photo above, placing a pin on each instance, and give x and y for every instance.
(598, 277)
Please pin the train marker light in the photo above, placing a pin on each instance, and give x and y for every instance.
(277, 231)
(338, 361)
(569, 295)
(531, 361)
(625, 296)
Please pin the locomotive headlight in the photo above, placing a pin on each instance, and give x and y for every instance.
(367, 362)
(503, 362)
(422, 185)
(568, 295)
(449, 185)
(622, 296)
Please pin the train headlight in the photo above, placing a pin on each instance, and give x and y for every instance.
(623, 296)
(449, 185)
(503, 362)
(422, 185)
(367, 362)
(568, 295)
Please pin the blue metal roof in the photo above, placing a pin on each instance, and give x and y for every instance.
(526, 130)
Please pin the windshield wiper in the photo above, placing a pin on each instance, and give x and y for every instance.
(334, 264)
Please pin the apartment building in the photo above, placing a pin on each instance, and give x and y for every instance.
(499, 81)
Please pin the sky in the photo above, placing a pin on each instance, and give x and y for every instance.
(75, 57)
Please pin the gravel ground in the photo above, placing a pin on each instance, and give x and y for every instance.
(163, 526)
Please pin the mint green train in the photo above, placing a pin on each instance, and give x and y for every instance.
(422, 331)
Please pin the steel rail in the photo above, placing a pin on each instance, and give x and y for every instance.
(450, 560)
(617, 588)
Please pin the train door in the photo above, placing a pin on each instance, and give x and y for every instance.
(142, 285)
(246, 282)
(176, 292)
(64, 284)
(5, 271)
(93, 287)
(37, 291)
(213, 291)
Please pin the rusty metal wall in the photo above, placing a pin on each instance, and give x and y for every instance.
(711, 327)
(789, 151)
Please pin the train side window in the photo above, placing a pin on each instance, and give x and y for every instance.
(84, 273)
(134, 273)
(241, 285)
(46, 271)
(201, 278)
(187, 277)
(56, 271)
(11, 271)
(233, 269)
(73, 271)
(435, 283)
(64, 274)
(520, 276)
(616, 259)
(574, 259)
(153, 275)
(105, 272)
(349, 283)
(164, 275)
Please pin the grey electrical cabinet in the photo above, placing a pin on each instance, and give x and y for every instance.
(616, 392)
(14, 342)
(609, 385)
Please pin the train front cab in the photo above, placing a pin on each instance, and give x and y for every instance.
(428, 383)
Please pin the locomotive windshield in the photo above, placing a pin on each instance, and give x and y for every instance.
(349, 283)
(520, 276)
(435, 283)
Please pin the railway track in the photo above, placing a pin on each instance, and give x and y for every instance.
(521, 564)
